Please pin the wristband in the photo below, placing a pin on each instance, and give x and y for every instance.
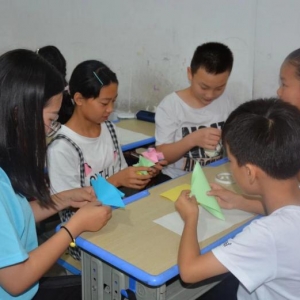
(72, 244)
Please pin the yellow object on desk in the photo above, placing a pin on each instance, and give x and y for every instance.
(174, 193)
(199, 187)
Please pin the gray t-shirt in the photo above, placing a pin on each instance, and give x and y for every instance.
(174, 119)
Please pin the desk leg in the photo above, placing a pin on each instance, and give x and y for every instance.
(96, 278)
(102, 281)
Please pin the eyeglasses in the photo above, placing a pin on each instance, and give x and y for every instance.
(54, 127)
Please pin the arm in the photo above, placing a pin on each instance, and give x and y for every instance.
(230, 200)
(91, 217)
(207, 138)
(193, 266)
(166, 133)
(74, 198)
(129, 177)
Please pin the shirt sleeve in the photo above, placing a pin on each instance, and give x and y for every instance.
(250, 252)
(63, 166)
(165, 123)
(11, 251)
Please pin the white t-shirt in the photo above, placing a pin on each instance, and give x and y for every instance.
(100, 159)
(265, 257)
(174, 119)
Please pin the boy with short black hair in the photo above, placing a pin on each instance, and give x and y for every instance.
(262, 139)
(188, 122)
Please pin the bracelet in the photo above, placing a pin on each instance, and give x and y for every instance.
(72, 244)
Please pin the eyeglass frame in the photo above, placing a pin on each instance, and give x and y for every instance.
(54, 126)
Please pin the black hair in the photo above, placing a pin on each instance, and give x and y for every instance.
(88, 78)
(53, 55)
(294, 59)
(27, 82)
(215, 58)
(265, 133)
(55, 58)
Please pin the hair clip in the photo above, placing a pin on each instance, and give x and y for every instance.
(98, 78)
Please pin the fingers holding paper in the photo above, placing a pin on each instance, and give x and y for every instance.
(76, 198)
(207, 138)
(155, 170)
(132, 177)
(187, 206)
(91, 217)
(225, 198)
(231, 200)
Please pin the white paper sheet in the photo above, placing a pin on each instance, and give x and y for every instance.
(126, 136)
(208, 225)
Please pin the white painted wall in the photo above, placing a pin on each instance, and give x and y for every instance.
(149, 43)
(277, 34)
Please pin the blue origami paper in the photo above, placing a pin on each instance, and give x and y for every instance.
(107, 193)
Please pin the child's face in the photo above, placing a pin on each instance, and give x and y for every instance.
(239, 173)
(207, 87)
(289, 90)
(50, 112)
(98, 109)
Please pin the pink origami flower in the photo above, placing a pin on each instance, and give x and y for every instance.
(153, 155)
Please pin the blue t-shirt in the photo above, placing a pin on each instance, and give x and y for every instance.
(17, 232)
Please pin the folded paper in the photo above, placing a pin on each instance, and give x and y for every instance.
(174, 193)
(144, 162)
(199, 188)
(107, 193)
(153, 155)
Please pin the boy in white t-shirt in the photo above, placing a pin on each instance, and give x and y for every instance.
(188, 122)
(262, 139)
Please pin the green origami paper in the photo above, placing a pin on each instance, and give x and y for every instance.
(199, 188)
(144, 162)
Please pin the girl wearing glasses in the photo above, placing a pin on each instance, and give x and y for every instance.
(30, 98)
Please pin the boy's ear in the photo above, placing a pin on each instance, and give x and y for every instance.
(251, 173)
(189, 74)
(78, 99)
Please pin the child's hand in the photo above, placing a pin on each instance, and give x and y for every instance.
(75, 198)
(225, 198)
(187, 207)
(155, 170)
(129, 177)
(207, 138)
(91, 217)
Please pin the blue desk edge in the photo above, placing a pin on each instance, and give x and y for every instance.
(138, 144)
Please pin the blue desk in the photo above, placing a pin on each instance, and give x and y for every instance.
(133, 252)
(137, 126)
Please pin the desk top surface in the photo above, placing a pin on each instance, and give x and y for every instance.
(136, 125)
(132, 235)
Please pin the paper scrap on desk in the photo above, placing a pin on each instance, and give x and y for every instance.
(144, 162)
(199, 188)
(126, 136)
(153, 155)
(107, 193)
(207, 225)
(174, 193)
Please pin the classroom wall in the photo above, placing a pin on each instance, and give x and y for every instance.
(277, 34)
(149, 44)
